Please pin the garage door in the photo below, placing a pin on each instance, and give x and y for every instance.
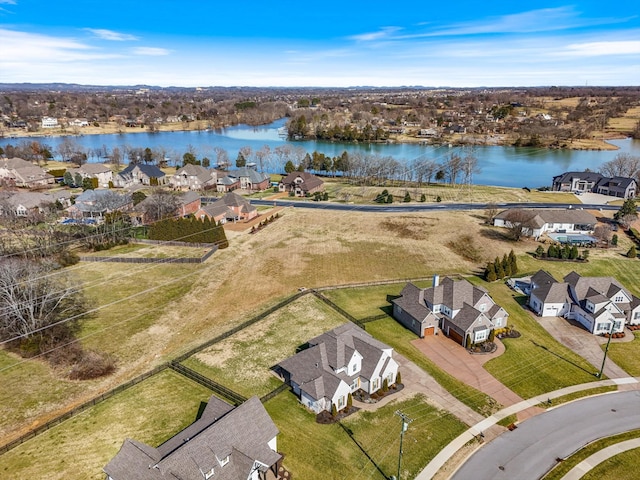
(428, 331)
(455, 336)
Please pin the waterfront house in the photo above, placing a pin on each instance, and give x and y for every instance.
(536, 221)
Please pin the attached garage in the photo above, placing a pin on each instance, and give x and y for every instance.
(455, 336)
(428, 331)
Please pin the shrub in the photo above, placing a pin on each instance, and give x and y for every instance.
(632, 253)
(398, 377)
(438, 199)
(334, 410)
(385, 385)
(540, 251)
(614, 240)
(92, 365)
(349, 401)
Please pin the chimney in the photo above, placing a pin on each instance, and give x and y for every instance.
(436, 280)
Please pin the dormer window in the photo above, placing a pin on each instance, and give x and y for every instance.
(208, 475)
(224, 461)
(618, 299)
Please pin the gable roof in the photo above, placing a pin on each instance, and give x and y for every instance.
(309, 181)
(150, 171)
(94, 168)
(241, 434)
(454, 294)
(567, 177)
(539, 216)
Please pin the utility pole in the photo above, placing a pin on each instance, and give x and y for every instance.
(405, 424)
(599, 374)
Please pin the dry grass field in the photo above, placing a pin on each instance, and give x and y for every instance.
(147, 314)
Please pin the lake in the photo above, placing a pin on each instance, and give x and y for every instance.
(503, 166)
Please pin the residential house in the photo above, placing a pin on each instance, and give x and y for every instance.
(231, 207)
(139, 174)
(22, 173)
(301, 184)
(621, 187)
(79, 122)
(537, 221)
(97, 203)
(99, 171)
(462, 311)
(336, 364)
(600, 304)
(49, 122)
(245, 178)
(194, 177)
(189, 203)
(23, 204)
(225, 443)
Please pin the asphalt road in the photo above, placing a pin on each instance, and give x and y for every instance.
(531, 450)
(399, 208)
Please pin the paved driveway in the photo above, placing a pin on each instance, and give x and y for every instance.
(458, 362)
(595, 198)
(588, 346)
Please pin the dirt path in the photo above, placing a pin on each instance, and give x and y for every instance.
(468, 368)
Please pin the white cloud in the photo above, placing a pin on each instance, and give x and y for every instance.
(594, 49)
(105, 34)
(150, 51)
(7, 2)
(382, 34)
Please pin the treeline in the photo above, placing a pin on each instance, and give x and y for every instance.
(299, 128)
(189, 230)
(499, 269)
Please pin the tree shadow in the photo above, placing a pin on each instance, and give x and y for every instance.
(495, 234)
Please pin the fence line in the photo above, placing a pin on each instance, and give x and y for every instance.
(176, 365)
(201, 259)
(221, 390)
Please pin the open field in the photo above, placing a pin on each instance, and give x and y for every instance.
(139, 250)
(623, 466)
(310, 448)
(243, 361)
(150, 412)
(147, 314)
(342, 191)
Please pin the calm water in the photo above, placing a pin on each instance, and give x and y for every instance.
(505, 166)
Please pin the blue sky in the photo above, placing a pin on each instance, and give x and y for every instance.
(330, 43)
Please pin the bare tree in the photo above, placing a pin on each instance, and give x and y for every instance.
(519, 223)
(622, 165)
(160, 204)
(603, 232)
(39, 309)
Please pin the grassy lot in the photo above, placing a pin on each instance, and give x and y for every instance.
(529, 368)
(139, 250)
(623, 466)
(345, 192)
(625, 355)
(391, 332)
(310, 448)
(577, 395)
(243, 361)
(151, 412)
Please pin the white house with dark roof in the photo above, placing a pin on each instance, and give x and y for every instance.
(225, 443)
(600, 304)
(338, 363)
(536, 221)
(621, 187)
(462, 311)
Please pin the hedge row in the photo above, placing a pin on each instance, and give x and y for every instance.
(189, 230)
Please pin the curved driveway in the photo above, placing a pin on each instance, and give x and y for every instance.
(531, 450)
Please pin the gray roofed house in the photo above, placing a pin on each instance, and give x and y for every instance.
(336, 364)
(622, 187)
(599, 304)
(139, 174)
(245, 178)
(96, 203)
(225, 443)
(99, 171)
(231, 207)
(23, 173)
(540, 220)
(194, 177)
(464, 312)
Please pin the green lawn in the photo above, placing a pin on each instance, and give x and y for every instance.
(392, 333)
(379, 434)
(243, 361)
(623, 466)
(363, 302)
(310, 448)
(625, 355)
(534, 363)
(151, 412)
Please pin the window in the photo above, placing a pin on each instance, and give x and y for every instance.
(341, 402)
(375, 385)
(481, 335)
(209, 474)
(636, 315)
(224, 461)
(617, 325)
(602, 326)
(618, 299)
(498, 322)
(353, 369)
(483, 307)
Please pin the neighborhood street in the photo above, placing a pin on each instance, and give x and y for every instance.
(529, 451)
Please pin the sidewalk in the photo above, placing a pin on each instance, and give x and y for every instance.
(577, 472)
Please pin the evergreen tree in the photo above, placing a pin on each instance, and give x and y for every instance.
(240, 160)
(585, 254)
(423, 198)
(407, 197)
(398, 377)
(289, 167)
(506, 265)
(574, 253)
(614, 240)
(514, 262)
(491, 273)
(499, 270)
(539, 251)
(334, 410)
(389, 199)
(628, 208)
(349, 401)
(632, 253)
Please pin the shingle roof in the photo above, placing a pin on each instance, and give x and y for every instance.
(242, 434)
(539, 216)
(309, 181)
